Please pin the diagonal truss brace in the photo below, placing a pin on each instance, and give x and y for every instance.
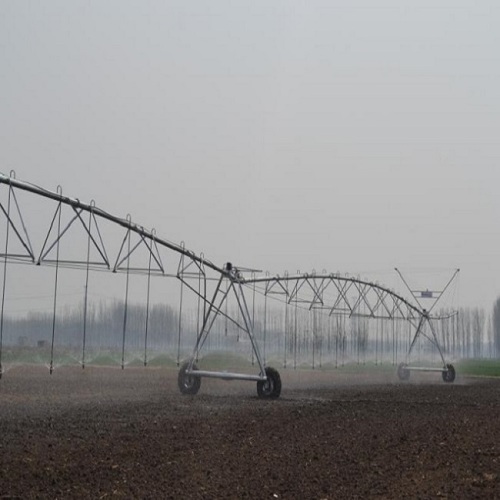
(22, 234)
(150, 245)
(98, 243)
(420, 331)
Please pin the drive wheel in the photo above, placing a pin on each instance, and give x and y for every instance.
(403, 372)
(188, 384)
(449, 374)
(271, 387)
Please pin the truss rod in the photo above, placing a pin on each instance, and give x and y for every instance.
(128, 224)
(334, 279)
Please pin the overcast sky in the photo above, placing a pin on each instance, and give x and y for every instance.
(351, 136)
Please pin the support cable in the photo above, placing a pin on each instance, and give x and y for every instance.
(4, 280)
(337, 334)
(199, 303)
(214, 312)
(265, 329)
(226, 312)
(206, 325)
(179, 332)
(55, 286)
(393, 342)
(253, 322)
(85, 300)
(285, 345)
(147, 312)
(125, 309)
(295, 338)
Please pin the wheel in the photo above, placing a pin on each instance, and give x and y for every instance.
(403, 372)
(188, 384)
(449, 374)
(270, 388)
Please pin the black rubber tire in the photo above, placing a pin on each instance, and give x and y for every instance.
(188, 384)
(403, 372)
(270, 388)
(449, 374)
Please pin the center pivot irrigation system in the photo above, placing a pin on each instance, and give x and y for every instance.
(330, 295)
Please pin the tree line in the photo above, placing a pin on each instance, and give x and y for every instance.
(294, 335)
(104, 325)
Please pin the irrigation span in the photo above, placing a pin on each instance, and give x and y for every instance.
(315, 318)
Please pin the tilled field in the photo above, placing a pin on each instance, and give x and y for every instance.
(103, 433)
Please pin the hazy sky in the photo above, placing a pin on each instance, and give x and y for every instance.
(351, 136)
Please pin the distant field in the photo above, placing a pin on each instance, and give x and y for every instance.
(479, 367)
(224, 361)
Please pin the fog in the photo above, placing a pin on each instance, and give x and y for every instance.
(346, 136)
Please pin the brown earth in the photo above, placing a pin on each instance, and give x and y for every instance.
(103, 432)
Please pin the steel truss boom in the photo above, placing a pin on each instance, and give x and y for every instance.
(332, 294)
(78, 206)
(338, 295)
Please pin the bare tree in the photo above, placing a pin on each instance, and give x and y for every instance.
(496, 327)
(477, 327)
(464, 332)
(490, 336)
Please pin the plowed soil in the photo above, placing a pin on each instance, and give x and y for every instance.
(104, 432)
